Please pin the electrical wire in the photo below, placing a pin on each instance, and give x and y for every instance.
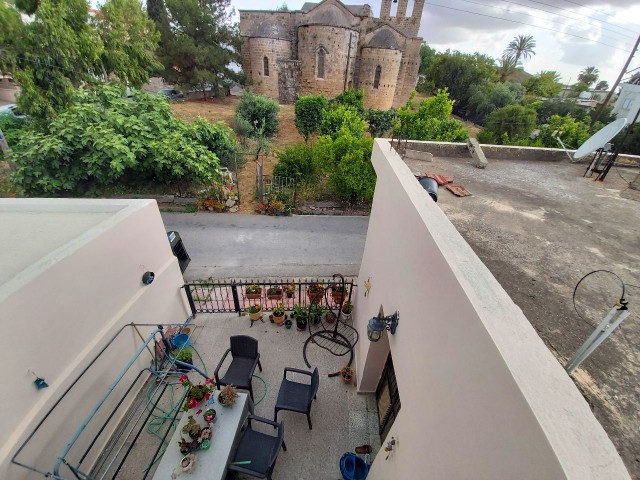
(575, 307)
(599, 12)
(528, 24)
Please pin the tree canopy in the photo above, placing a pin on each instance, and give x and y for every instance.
(199, 43)
(589, 76)
(544, 84)
(520, 48)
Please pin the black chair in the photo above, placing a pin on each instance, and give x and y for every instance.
(258, 448)
(245, 357)
(295, 396)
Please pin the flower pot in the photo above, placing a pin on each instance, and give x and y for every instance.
(315, 296)
(290, 294)
(287, 324)
(255, 316)
(278, 320)
(275, 296)
(253, 296)
(188, 462)
(338, 297)
(330, 317)
(301, 325)
(210, 416)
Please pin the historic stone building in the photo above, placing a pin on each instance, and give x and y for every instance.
(328, 47)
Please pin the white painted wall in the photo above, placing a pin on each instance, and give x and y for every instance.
(482, 397)
(57, 313)
(628, 102)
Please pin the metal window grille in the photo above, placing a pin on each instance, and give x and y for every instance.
(387, 398)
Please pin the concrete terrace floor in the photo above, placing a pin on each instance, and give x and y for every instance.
(342, 419)
(539, 227)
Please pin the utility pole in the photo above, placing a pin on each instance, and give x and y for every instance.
(615, 85)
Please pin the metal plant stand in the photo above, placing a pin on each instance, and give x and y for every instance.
(338, 339)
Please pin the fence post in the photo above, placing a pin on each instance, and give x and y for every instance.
(192, 305)
(236, 299)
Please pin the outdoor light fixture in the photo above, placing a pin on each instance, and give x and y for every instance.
(38, 382)
(148, 277)
(377, 325)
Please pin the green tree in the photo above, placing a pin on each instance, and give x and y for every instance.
(457, 71)
(130, 38)
(339, 119)
(351, 98)
(488, 98)
(544, 84)
(57, 50)
(198, 45)
(427, 56)
(508, 65)
(510, 123)
(309, 112)
(589, 76)
(520, 48)
(602, 85)
(258, 114)
(380, 121)
(578, 88)
(104, 138)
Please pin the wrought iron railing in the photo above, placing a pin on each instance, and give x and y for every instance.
(224, 296)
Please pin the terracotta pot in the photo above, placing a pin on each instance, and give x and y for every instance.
(330, 317)
(255, 316)
(253, 296)
(338, 297)
(315, 297)
(275, 296)
(278, 320)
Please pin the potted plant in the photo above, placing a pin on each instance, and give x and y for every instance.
(290, 289)
(315, 292)
(315, 314)
(288, 323)
(274, 293)
(278, 314)
(197, 393)
(183, 354)
(253, 292)
(330, 317)
(228, 396)
(209, 415)
(338, 293)
(192, 428)
(301, 317)
(347, 308)
(255, 312)
(188, 463)
(347, 374)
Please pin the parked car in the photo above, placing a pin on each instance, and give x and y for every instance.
(171, 93)
(12, 109)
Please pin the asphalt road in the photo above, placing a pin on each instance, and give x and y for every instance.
(249, 246)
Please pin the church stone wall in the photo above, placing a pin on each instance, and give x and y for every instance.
(335, 41)
(389, 62)
(273, 50)
(408, 76)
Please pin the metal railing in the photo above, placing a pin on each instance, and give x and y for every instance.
(224, 296)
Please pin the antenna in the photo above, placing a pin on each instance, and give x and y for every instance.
(605, 152)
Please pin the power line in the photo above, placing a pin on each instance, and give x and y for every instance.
(570, 18)
(525, 23)
(599, 12)
(540, 17)
(581, 14)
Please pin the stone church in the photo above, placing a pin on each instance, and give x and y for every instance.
(328, 47)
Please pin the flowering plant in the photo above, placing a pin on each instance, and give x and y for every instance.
(197, 393)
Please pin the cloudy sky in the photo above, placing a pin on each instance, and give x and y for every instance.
(555, 25)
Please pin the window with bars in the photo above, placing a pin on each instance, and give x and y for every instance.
(387, 398)
(321, 55)
(265, 62)
(376, 77)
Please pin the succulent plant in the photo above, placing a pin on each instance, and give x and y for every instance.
(228, 395)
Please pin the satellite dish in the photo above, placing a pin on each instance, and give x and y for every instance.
(600, 138)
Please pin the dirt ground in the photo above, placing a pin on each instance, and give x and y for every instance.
(222, 109)
(539, 227)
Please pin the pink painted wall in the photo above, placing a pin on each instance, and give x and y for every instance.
(57, 322)
(482, 397)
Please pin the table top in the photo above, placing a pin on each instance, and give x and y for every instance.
(211, 464)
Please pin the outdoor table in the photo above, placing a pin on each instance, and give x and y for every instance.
(212, 463)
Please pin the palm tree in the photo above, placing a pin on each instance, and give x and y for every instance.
(589, 75)
(520, 48)
(507, 66)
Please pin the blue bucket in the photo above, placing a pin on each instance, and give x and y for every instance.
(353, 467)
(181, 340)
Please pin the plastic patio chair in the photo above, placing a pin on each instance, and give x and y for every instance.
(295, 396)
(245, 357)
(257, 452)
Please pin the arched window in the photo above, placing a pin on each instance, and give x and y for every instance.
(265, 62)
(376, 77)
(321, 54)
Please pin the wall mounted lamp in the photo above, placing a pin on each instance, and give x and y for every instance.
(148, 277)
(377, 325)
(38, 382)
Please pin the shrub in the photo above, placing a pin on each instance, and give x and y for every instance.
(217, 137)
(354, 178)
(13, 129)
(380, 121)
(296, 161)
(261, 113)
(513, 122)
(103, 137)
(340, 118)
(353, 99)
(309, 113)
(572, 132)
(486, 99)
